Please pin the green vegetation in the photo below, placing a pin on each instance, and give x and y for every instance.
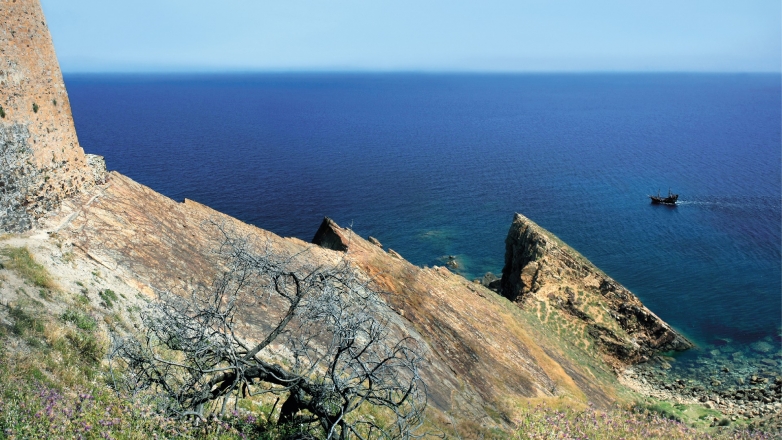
(54, 101)
(24, 323)
(108, 296)
(82, 320)
(694, 415)
(35, 108)
(59, 390)
(86, 345)
(21, 261)
(2, 112)
(540, 422)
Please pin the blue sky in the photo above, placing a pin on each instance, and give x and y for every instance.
(417, 35)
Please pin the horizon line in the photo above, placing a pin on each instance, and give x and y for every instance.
(412, 71)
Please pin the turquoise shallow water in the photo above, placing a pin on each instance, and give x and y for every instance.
(436, 165)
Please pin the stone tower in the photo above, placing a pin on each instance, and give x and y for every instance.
(41, 161)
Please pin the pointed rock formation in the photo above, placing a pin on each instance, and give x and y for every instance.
(541, 268)
(326, 237)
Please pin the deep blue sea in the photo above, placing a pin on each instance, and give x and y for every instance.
(436, 165)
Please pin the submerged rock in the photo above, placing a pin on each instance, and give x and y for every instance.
(762, 347)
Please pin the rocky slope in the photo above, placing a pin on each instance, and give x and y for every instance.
(480, 353)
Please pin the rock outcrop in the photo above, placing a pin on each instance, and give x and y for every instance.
(41, 160)
(326, 237)
(540, 268)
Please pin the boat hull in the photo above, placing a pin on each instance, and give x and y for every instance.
(670, 200)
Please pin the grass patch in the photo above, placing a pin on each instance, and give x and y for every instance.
(81, 320)
(53, 394)
(87, 345)
(83, 299)
(643, 422)
(695, 415)
(21, 261)
(24, 322)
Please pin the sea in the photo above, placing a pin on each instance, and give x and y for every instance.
(436, 165)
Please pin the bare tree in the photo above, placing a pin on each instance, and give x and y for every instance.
(328, 352)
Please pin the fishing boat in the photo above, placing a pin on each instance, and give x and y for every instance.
(659, 200)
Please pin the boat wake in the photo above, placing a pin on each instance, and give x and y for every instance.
(733, 204)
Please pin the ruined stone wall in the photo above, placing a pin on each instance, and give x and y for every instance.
(41, 161)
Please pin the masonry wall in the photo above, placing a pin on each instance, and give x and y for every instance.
(41, 162)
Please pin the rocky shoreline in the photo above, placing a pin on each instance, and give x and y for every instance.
(749, 392)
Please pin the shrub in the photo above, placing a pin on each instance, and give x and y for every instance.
(2, 112)
(108, 296)
(87, 345)
(35, 108)
(81, 320)
(24, 322)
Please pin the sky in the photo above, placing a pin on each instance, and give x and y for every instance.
(417, 35)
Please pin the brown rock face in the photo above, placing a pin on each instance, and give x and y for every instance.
(539, 268)
(42, 162)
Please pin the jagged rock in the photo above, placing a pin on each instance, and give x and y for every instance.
(98, 166)
(327, 237)
(395, 254)
(488, 278)
(539, 264)
(375, 241)
(491, 281)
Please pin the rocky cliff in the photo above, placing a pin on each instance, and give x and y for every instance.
(42, 162)
(482, 351)
(544, 272)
